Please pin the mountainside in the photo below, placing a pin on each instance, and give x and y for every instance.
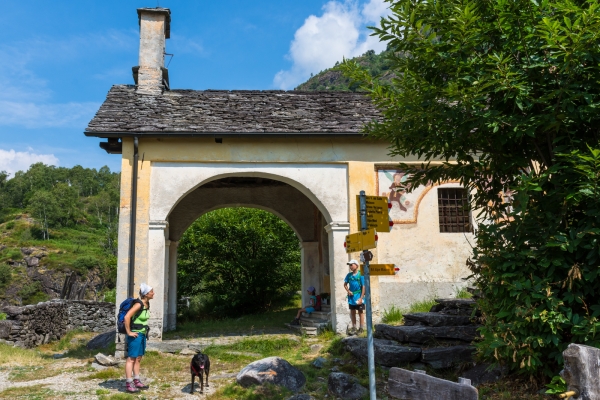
(58, 234)
(332, 79)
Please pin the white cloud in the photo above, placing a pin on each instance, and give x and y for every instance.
(12, 161)
(321, 41)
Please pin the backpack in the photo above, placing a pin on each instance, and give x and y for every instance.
(124, 309)
(318, 304)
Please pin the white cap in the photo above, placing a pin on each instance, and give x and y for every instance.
(145, 289)
(353, 261)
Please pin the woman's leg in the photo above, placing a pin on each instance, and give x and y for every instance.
(129, 364)
(136, 367)
(300, 313)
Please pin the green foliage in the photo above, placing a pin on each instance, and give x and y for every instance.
(110, 296)
(32, 293)
(509, 91)
(240, 260)
(86, 263)
(393, 315)
(5, 275)
(3, 316)
(556, 386)
(332, 79)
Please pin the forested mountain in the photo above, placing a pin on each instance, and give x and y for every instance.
(332, 78)
(56, 222)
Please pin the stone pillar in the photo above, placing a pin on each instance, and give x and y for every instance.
(172, 309)
(340, 315)
(166, 285)
(158, 231)
(311, 273)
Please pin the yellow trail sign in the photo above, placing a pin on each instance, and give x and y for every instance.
(361, 241)
(379, 269)
(377, 213)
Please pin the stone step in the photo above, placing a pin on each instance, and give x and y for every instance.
(317, 314)
(325, 307)
(454, 306)
(309, 331)
(387, 352)
(445, 357)
(427, 334)
(435, 319)
(316, 322)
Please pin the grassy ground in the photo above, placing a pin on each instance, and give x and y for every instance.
(169, 373)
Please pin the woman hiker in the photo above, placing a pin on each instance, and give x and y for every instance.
(137, 331)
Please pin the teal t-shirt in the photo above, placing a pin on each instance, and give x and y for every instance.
(355, 285)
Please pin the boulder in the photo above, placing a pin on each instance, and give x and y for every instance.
(484, 373)
(345, 386)
(435, 319)
(444, 357)
(32, 261)
(426, 334)
(387, 352)
(102, 340)
(107, 361)
(319, 362)
(301, 397)
(273, 370)
(5, 328)
(409, 385)
(581, 371)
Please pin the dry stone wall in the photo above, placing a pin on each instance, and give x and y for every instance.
(32, 325)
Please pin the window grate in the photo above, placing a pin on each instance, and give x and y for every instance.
(454, 211)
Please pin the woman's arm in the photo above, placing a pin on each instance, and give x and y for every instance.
(127, 321)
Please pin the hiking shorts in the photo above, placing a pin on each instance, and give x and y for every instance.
(356, 307)
(136, 347)
(310, 310)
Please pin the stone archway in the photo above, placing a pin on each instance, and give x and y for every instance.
(307, 197)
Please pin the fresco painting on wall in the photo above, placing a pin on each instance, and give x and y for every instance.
(391, 183)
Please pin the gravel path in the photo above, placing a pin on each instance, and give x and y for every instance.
(68, 385)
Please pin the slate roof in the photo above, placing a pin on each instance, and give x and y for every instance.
(189, 112)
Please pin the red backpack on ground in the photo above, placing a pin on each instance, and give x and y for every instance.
(318, 305)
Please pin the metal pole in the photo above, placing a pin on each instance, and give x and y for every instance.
(366, 256)
(132, 221)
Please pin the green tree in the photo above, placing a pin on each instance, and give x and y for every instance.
(242, 260)
(45, 209)
(504, 96)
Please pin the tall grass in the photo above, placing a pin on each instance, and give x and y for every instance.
(10, 355)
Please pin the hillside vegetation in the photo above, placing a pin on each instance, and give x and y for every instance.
(58, 223)
(332, 78)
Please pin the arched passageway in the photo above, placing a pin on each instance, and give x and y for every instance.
(306, 209)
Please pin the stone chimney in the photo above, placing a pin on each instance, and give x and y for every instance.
(151, 76)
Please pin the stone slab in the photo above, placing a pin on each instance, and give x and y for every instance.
(435, 319)
(445, 357)
(387, 352)
(409, 385)
(581, 371)
(426, 334)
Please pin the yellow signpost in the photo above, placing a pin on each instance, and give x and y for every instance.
(361, 241)
(377, 212)
(379, 269)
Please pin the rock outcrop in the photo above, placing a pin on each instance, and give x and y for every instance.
(273, 370)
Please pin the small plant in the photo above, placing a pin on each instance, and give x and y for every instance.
(463, 293)
(556, 386)
(392, 316)
(5, 275)
(10, 225)
(2, 316)
(422, 306)
(32, 293)
(110, 296)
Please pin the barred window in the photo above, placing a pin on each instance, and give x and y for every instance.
(453, 210)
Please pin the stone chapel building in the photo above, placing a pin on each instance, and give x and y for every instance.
(300, 155)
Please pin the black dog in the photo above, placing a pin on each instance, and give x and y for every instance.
(200, 365)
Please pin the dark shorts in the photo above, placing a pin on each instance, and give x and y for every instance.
(356, 307)
(136, 347)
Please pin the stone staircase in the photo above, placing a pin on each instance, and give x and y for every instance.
(312, 324)
(439, 338)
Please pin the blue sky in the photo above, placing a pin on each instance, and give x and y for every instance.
(59, 58)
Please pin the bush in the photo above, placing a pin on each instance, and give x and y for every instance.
(84, 264)
(3, 316)
(110, 296)
(32, 293)
(240, 260)
(10, 225)
(5, 275)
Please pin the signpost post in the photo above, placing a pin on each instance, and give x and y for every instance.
(368, 256)
(373, 217)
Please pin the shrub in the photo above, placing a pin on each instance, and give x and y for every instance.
(2, 316)
(84, 264)
(5, 275)
(10, 225)
(32, 293)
